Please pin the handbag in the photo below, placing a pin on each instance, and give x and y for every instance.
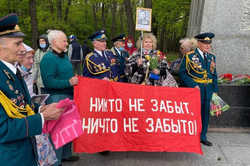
(45, 151)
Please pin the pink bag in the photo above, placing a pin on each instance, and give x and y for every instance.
(67, 127)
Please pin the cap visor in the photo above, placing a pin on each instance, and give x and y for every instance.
(14, 34)
(101, 40)
(206, 41)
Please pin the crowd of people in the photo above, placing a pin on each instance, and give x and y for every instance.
(54, 68)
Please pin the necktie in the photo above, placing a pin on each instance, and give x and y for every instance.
(18, 74)
(205, 59)
(103, 54)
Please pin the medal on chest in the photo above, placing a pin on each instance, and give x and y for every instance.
(196, 61)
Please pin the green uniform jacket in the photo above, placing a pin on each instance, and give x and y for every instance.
(17, 147)
(193, 70)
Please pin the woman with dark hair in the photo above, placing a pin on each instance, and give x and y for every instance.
(43, 45)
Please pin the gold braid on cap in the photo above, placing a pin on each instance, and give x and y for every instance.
(16, 29)
(207, 38)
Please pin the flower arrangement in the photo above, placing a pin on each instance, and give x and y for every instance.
(155, 59)
(217, 105)
(239, 79)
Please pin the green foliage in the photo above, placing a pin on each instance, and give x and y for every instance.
(170, 16)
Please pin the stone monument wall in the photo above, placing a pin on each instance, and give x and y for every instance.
(230, 21)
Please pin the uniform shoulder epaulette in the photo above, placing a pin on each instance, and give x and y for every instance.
(113, 50)
(190, 52)
(93, 67)
(89, 54)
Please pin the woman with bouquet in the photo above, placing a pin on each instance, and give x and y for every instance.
(150, 68)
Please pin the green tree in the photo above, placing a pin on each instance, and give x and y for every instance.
(84, 17)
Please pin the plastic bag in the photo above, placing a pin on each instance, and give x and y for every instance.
(45, 151)
(67, 127)
(217, 105)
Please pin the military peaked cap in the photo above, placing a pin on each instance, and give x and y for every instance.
(9, 27)
(205, 37)
(119, 38)
(99, 36)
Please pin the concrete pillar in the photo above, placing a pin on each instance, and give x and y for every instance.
(195, 17)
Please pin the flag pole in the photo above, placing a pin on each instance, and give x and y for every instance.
(141, 42)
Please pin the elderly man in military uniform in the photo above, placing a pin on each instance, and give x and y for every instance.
(198, 70)
(100, 63)
(121, 55)
(18, 121)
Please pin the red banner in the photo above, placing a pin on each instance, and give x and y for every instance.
(130, 117)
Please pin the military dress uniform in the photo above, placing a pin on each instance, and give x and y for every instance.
(198, 70)
(18, 122)
(100, 64)
(121, 57)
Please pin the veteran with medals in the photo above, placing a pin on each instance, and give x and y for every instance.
(121, 55)
(19, 122)
(100, 63)
(198, 70)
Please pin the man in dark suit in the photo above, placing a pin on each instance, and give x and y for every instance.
(75, 54)
(18, 121)
(198, 70)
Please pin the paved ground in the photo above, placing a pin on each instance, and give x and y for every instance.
(231, 148)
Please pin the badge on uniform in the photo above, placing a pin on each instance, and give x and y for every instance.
(96, 69)
(9, 85)
(113, 61)
(14, 100)
(103, 66)
(8, 75)
(196, 61)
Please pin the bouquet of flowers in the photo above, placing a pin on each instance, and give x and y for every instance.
(155, 59)
(241, 79)
(217, 105)
(225, 78)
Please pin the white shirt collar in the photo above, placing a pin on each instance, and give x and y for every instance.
(118, 51)
(99, 52)
(201, 53)
(10, 66)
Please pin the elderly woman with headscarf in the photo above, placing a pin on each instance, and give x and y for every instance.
(25, 67)
(130, 46)
(149, 66)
